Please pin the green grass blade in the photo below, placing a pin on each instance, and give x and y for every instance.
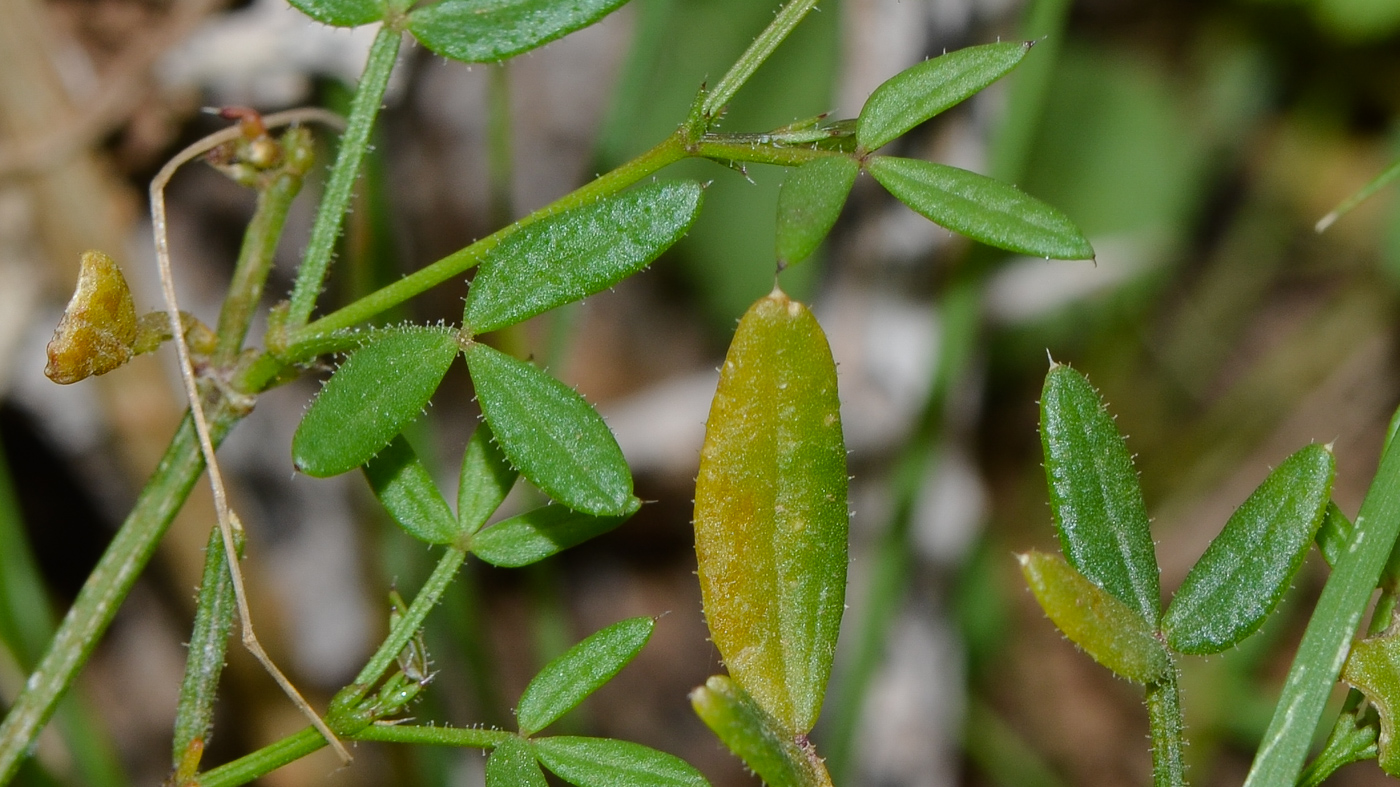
(1327, 639)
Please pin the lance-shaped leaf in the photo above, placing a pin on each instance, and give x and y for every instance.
(342, 13)
(378, 391)
(512, 764)
(809, 203)
(485, 480)
(580, 671)
(406, 490)
(602, 762)
(1374, 669)
(551, 434)
(753, 736)
(918, 93)
(1245, 570)
(995, 213)
(1106, 628)
(535, 535)
(1095, 498)
(579, 252)
(485, 31)
(770, 511)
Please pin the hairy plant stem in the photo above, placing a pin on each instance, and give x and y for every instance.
(208, 648)
(763, 46)
(254, 263)
(349, 715)
(1166, 730)
(107, 585)
(311, 276)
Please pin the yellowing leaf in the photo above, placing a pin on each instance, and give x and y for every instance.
(770, 511)
(98, 328)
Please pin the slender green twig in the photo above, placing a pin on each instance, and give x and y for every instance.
(208, 648)
(1164, 723)
(311, 276)
(470, 737)
(758, 51)
(254, 262)
(406, 628)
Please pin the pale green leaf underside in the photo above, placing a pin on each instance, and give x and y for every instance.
(581, 670)
(535, 535)
(809, 204)
(406, 490)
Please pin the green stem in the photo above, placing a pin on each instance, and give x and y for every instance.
(498, 160)
(407, 627)
(254, 263)
(668, 152)
(1164, 721)
(748, 148)
(471, 737)
(757, 52)
(311, 276)
(105, 588)
(213, 620)
(1327, 639)
(264, 760)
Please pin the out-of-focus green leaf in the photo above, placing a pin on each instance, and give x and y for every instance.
(995, 213)
(1359, 20)
(580, 671)
(341, 13)
(809, 203)
(406, 490)
(1106, 628)
(485, 480)
(1374, 669)
(745, 729)
(922, 91)
(602, 762)
(535, 535)
(770, 511)
(512, 764)
(379, 389)
(579, 252)
(486, 31)
(1244, 572)
(1095, 498)
(551, 434)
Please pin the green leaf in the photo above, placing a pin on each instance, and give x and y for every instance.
(602, 762)
(809, 203)
(535, 535)
(770, 511)
(918, 93)
(512, 764)
(486, 479)
(1374, 669)
(378, 391)
(551, 434)
(406, 490)
(1112, 632)
(342, 13)
(995, 213)
(1094, 494)
(754, 736)
(579, 252)
(1245, 570)
(1335, 535)
(580, 671)
(486, 31)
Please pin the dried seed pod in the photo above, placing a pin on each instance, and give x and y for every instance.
(98, 328)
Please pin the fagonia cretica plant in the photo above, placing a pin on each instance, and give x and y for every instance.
(771, 497)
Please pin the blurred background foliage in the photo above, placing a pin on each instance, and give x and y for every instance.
(1195, 142)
